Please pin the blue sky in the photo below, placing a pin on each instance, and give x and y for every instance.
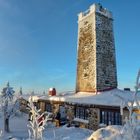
(38, 42)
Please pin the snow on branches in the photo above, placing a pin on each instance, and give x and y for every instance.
(7, 92)
(7, 95)
(37, 121)
(131, 127)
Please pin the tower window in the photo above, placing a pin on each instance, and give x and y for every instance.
(107, 82)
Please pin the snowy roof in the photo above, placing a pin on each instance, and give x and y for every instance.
(107, 98)
(34, 97)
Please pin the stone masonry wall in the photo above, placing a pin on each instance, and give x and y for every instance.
(94, 118)
(105, 53)
(96, 62)
(70, 113)
(86, 70)
(55, 108)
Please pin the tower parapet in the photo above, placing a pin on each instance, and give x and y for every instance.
(95, 8)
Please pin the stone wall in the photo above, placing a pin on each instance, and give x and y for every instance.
(70, 113)
(42, 106)
(94, 118)
(96, 62)
(86, 70)
(105, 53)
(55, 108)
(54, 105)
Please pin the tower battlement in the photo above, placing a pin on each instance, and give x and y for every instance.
(95, 8)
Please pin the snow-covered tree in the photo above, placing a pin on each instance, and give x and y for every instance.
(7, 95)
(37, 121)
(20, 91)
(131, 128)
(44, 92)
(32, 93)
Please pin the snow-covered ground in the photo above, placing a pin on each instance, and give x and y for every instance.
(116, 133)
(67, 133)
(18, 127)
(19, 131)
(107, 133)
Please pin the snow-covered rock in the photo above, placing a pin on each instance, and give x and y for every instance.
(107, 133)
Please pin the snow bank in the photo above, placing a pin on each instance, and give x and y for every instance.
(108, 133)
(115, 133)
(67, 133)
(19, 131)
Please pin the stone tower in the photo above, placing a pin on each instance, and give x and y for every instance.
(96, 64)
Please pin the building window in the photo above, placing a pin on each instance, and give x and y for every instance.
(36, 105)
(117, 118)
(86, 114)
(110, 117)
(104, 117)
(81, 112)
(48, 107)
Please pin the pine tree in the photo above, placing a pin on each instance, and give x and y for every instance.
(7, 98)
(20, 91)
(44, 93)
